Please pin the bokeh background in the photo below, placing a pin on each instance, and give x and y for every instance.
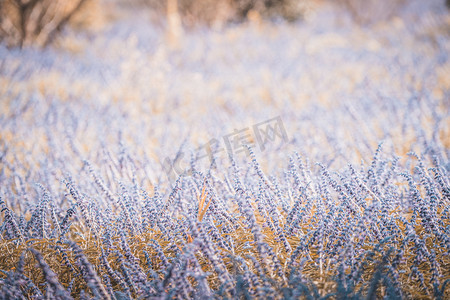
(161, 77)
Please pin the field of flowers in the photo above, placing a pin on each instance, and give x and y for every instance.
(261, 160)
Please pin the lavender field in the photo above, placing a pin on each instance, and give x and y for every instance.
(252, 160)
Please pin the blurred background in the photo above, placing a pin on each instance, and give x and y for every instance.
(39, 22)
(80, 76)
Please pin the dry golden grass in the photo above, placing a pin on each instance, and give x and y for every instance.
(323, 278)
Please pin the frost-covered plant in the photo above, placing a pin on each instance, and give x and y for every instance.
(88, 210)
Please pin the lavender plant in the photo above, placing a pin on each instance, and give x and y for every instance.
(92, 209)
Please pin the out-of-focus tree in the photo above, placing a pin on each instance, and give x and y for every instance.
(38, 22)
(175, 29)
(213, 12)
(369, 11)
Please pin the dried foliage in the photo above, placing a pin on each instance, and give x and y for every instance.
(382, 232)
